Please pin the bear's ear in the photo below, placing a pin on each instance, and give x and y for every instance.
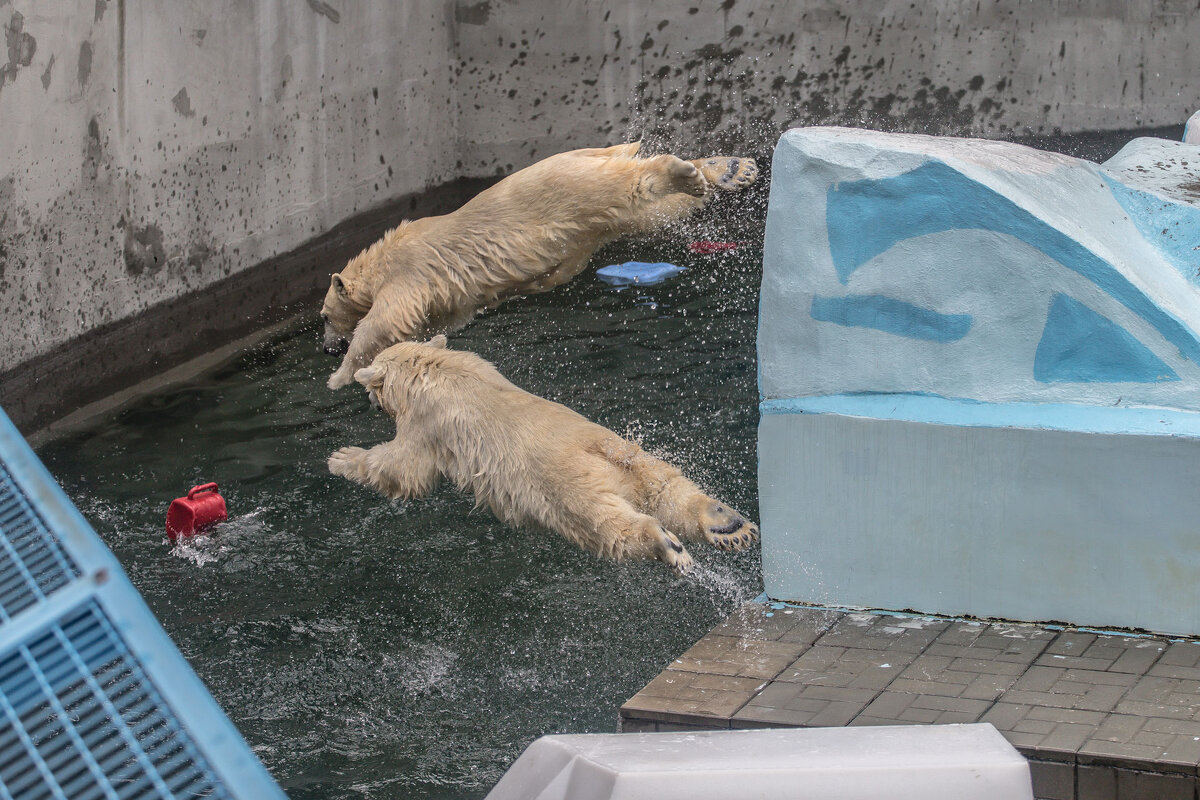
(438, 341)
(367, 375)
(338, 285)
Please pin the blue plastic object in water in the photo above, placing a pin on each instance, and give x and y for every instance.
(638, 272)
(95, 699)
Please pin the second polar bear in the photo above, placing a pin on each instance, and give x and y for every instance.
(532, 461)
(531, 232)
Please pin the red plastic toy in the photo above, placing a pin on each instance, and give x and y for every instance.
(704, 247)
(203, 506)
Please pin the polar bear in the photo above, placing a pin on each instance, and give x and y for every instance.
(531, 232)
(532, 461)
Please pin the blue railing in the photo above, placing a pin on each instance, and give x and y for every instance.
(95, 699)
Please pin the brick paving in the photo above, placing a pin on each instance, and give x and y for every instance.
(1101, 717)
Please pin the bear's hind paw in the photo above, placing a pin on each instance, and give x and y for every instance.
(672, 552)
(729, 174)
(737, 535)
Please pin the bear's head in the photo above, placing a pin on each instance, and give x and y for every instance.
(423, 377)
(341, 313)
(390, 381)
(351, 291)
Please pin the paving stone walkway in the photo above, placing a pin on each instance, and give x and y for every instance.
(1101, 717)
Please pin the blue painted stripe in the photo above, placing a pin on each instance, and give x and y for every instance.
(891, 316)
(1173, 228)
(937, 410)
(1079, 345)
(865, 218)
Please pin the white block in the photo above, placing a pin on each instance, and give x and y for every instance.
(865, 507)
(899, 763)
(980, 376)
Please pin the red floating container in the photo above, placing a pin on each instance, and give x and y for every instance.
(187, 515)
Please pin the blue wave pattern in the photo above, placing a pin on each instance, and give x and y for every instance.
(866, 218)
(1171, 227)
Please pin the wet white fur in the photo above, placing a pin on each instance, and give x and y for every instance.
(530, 460)
(532, 231)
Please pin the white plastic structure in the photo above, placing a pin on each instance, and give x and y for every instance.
(917, 762)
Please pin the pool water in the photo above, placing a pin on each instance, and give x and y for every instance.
(368, 648)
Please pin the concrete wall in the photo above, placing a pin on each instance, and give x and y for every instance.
(536, 77)
(154, 148)
(154, 152)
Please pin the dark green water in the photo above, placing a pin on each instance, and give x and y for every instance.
(376, 649)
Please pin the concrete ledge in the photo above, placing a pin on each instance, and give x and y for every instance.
(115, 356)
(1098, 715)
(947, 511)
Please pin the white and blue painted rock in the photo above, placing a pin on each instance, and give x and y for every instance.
(981, 270)
(641, 273)
(980, 367)
(1191, 129)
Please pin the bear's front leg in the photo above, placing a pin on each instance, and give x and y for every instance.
(382, 327)
(609, 526)
(672, 175)
(362, 352)
(668, 548)
(397, 470)
(349, 463)
(645, 537)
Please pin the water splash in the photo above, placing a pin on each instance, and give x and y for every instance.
(724, 581)
(209, 546)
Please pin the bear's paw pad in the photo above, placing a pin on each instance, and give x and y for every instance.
(730, 174)
(735, 534)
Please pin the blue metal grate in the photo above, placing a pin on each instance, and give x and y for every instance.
(65, 696)
(32, 562)
(95, 700)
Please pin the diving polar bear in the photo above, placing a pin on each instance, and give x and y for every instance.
(531, 232)
(532, 461)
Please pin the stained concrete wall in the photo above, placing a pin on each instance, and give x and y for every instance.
(156, 154)
(536, 77)
(153, 148)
